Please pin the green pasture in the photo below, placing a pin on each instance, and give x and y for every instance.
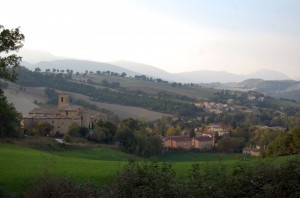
(182, 162)
(20, 164)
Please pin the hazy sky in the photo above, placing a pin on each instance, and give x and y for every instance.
(238, 36)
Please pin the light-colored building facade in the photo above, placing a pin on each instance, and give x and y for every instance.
(178, 142)
(252, 151)
(202, 143)
(221, 129)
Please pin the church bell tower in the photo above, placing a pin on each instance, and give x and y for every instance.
(63, 101)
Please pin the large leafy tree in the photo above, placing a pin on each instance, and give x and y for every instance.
(10, 42)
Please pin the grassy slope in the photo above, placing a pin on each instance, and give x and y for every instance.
(18, 164)
(183, 161)
(153, 87)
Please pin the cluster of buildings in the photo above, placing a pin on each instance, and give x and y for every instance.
(214, 107)
(61, 118)
(65, 115)
(204, 140)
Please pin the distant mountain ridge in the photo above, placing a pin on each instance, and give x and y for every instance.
(78, 66)
(265, 74)
(145, 69)
(133, 68)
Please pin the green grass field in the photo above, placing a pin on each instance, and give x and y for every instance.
(20, 164)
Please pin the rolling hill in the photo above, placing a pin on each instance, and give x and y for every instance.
(24, 103)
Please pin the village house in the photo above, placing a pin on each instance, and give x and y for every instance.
(178, 142)
(221, 129)
(61, 118)
(202, 142)
(252, 151)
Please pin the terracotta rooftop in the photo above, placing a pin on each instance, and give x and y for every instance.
(43, 111)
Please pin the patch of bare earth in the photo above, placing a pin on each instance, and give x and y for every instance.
(123, 111)
(24, 100)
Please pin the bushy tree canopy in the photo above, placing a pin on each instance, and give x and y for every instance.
(10, 42)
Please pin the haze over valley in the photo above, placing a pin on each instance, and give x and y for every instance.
(44, 60)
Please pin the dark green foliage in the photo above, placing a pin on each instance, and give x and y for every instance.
(52, 95)
(265, 180)
(144, 180)
(9, 118)
(10, 41)
(285, 143)
(56, 187)
(113, 85)
(83, 131)
(126, 139)
(130, 123)
(133, 138)
(241, 180)
(103, 132)
(4, 193)
(67, 138)
(147, 144)
(230, 144)
(74, 130)
(42, 128)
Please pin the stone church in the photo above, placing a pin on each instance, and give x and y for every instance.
(61, 118)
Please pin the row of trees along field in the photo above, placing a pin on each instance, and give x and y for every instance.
(131, 135)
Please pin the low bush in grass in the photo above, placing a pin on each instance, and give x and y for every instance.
(53, 186)
(4, 193)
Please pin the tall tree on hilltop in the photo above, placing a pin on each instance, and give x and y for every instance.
(10, 41)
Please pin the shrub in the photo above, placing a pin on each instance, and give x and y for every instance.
(144, 180)
(67, 138)
(54, 187)
(207, 180)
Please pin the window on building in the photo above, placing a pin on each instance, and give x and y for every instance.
(61, 99)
